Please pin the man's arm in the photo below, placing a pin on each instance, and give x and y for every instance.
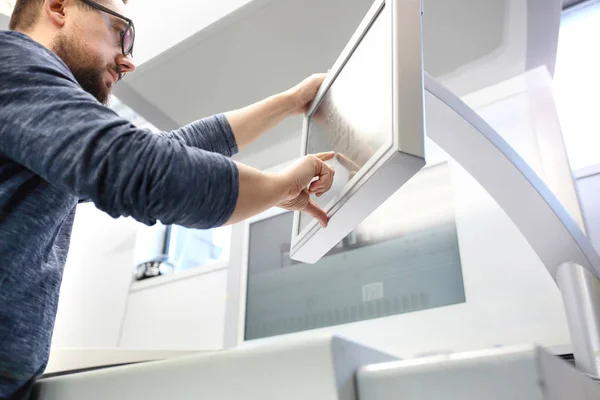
(289, 189)
(227, 133)
(250, 122)
(49, 125)
(212, 134)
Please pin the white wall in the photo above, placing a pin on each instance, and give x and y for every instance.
(98, 275)
(577, 84)
(96, 280)
(524, 112)
(183, 314)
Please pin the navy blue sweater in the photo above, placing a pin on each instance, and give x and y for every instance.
(59, 146)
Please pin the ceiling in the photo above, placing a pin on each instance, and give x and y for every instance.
(571, 3)
(261, 47)
(266, 46)
(183, 18)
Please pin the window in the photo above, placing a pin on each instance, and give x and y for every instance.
(577, 83)
(191, 248)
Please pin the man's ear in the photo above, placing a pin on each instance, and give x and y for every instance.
(55, 10)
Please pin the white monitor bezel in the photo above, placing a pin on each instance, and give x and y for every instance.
(392, 165)
(243, 277)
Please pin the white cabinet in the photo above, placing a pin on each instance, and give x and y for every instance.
(185, 311)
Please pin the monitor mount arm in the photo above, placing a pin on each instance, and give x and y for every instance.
(563, 248)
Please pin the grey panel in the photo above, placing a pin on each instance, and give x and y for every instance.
(525, 373)
(560, 380)
(489, 375)
(461, 46)
(269, 246)
(545, 41)
(318, 368)
(403, 258)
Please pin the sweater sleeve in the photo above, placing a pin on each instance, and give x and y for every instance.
(212, 134)
(51, 126)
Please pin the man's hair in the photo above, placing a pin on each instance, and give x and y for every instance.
(25, 13)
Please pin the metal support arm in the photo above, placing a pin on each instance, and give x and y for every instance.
(581, 297)
(564, 249)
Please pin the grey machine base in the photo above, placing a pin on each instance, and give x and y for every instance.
(524, 373)
(330, 367)
(319, 368)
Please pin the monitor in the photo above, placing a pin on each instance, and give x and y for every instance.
(403, 258)
(369, 111)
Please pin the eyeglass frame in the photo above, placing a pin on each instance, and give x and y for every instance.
(129, 21)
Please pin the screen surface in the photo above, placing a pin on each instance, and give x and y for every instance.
(354, 118)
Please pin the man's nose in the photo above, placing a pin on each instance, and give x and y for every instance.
(126, 64)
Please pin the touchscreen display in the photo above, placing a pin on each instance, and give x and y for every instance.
(354, 118)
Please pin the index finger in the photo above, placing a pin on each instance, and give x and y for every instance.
(347, 163)
(326, 156)
(325, 172)
(317, 212)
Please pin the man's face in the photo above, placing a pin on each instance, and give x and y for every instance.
(90, 45)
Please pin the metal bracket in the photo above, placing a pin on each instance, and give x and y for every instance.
(580, 291)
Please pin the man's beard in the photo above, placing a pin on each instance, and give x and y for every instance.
(91, 78)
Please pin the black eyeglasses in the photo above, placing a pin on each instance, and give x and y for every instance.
(128, 36)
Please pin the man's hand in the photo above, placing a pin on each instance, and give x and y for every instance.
(300, 183)
(251, 122)
(303, 93)
(289, 189)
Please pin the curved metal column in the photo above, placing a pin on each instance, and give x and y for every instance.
(564, 249)
(538, 214)
(581, 296)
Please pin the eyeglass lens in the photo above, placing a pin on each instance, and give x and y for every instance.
(128, 38)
